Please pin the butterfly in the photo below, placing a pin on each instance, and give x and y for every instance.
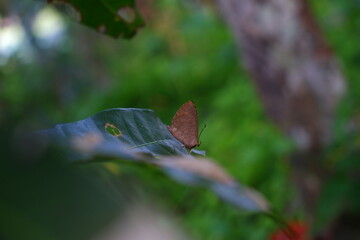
(184, 125)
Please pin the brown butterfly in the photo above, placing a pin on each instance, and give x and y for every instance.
(184, 126)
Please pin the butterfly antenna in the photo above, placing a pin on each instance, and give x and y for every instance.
(202, 130)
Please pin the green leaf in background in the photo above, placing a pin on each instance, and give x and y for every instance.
(204, 172)
(114, 18)
(139, 135)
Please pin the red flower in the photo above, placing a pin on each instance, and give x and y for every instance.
(296, 231)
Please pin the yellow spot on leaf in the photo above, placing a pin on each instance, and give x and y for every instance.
(112, 129)
(113, 168)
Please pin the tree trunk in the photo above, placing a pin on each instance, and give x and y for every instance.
(295, 73)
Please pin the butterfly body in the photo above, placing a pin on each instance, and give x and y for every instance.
(184, 126)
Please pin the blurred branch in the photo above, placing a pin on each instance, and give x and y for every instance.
(296, 75)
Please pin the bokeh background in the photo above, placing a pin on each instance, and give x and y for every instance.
(53, 70)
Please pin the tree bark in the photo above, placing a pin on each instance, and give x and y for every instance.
(295, 73)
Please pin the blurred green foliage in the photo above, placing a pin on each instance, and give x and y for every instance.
(184, 53)
(341, 24)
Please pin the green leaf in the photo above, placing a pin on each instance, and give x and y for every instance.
(119, 133)
(138, 135)
(114, 18)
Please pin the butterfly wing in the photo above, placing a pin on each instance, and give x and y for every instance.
(184, 126)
